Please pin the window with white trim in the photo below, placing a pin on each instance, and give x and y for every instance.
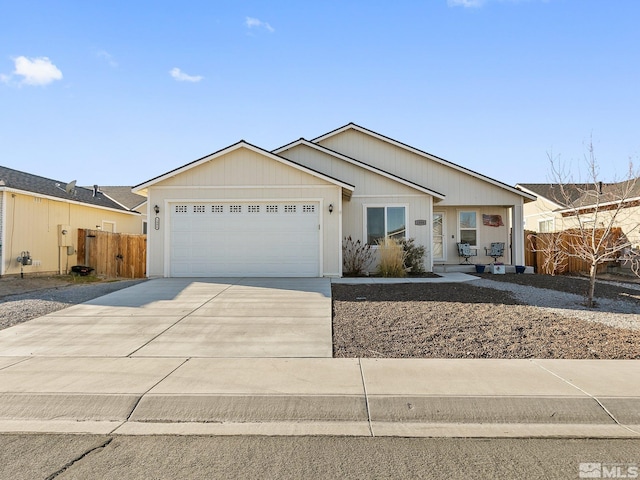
(468, 227)
(545, 226)
(382, 222)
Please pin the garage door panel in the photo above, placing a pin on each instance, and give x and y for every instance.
(245, 239)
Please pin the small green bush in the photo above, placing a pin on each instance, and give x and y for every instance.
(356, 257)
(413, 256)
(392, 258)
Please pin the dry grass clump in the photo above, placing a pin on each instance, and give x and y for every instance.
(392, 257)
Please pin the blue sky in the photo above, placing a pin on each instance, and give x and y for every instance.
(115, 92)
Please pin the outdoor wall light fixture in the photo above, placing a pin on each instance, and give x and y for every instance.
(156, 209)
(330, 207)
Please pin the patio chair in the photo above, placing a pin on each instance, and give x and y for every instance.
(465, 250)
(495, 251)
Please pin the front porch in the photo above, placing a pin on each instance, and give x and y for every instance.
(465, 268)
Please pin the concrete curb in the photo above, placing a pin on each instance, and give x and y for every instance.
(353, 397)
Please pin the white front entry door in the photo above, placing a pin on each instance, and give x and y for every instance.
(256, 239)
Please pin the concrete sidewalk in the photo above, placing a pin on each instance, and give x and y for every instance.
(363, 397)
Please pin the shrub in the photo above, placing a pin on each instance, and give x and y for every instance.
(356, 257)
(392, 258)
(413, 256)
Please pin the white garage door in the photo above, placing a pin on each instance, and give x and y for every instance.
(258, 239)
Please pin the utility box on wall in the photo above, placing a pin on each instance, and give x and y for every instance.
(64, 236)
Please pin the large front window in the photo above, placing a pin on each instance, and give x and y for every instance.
(385, 222)
(468, 228)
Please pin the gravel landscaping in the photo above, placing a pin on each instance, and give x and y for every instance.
(496, 316)
(43, 295)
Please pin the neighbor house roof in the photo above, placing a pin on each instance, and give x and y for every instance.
(360, 164)
(11, 179)
(573, 196)
(346, 188)
(124, 196)
(358, 128)
(561, 195)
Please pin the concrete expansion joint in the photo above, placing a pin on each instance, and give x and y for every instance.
(366, 398)
(593, 397)
(135, 405)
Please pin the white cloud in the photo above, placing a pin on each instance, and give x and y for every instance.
(251, 22)
(35, 71)
(480, 3)
(465, 3)
(107, 57)
(180, 76)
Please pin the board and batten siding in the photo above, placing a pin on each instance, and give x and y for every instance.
(371, 189)
(460, 188)
(32, 224)
(243, 175)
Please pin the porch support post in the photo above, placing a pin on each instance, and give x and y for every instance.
(517, 234)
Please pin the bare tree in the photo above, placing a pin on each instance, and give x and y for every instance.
(597, 217)
(551, 248)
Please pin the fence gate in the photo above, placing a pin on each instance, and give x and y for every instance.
(114, 255)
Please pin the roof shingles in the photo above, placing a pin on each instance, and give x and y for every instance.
(28, 182)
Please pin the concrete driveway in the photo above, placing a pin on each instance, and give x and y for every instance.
(170, 317)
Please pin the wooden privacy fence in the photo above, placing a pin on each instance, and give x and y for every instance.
(551, 253)
(113, 254)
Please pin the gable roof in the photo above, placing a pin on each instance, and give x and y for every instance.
(553, 193)
(123, 196)
(346, 188)
(358, 163)
(578, 196)
(26, 182)
(358, 128)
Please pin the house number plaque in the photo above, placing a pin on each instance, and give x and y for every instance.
(421, 222)
(157, 223)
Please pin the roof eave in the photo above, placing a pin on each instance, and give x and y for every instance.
(346, 158)
(236, 146)
(65, 200)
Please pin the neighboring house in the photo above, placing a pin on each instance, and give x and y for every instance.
(124, 197)
(556, 207)
(245, 211)
(42, 216)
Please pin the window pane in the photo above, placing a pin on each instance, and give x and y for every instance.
(437, 224)
(468, 236)
(396, 225)
(438, 250)
(375, 225)
(467, 219)
(545, 226)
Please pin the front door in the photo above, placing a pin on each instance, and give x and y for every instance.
(439, 246)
